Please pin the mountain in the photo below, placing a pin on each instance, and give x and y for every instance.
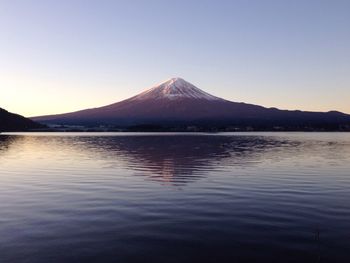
(177, 103)
(14, 122)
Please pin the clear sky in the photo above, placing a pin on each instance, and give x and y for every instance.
(60, 56)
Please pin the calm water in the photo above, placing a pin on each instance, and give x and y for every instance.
(254, 197)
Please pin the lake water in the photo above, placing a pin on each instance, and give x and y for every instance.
(240, 197)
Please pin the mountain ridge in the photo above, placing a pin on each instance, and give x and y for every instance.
(15, 122)
(177, 102)
(175, 88)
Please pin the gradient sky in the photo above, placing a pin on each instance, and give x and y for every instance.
(60, 56)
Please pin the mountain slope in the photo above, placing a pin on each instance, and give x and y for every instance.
(177, 102)
(14, 122)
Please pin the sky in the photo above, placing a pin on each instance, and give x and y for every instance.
(67, 55)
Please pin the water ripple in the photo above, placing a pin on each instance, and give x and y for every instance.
(249, 197)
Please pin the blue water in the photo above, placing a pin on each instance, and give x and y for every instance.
(241, 197)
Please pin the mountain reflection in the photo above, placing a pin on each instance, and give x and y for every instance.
(175, 159)
(182, 159)
(7, 141)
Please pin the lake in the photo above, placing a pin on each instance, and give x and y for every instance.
(148, 197)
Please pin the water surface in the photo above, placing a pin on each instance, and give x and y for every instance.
(241, 197)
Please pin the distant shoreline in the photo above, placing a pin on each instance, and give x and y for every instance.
(168, 132)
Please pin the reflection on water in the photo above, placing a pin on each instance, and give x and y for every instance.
(175, 197)
(176, 158)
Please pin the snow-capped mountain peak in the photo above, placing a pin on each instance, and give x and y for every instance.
(175, 88)
(177, 104)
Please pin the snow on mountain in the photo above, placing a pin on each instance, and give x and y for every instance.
(175, 88)
(177, 102)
